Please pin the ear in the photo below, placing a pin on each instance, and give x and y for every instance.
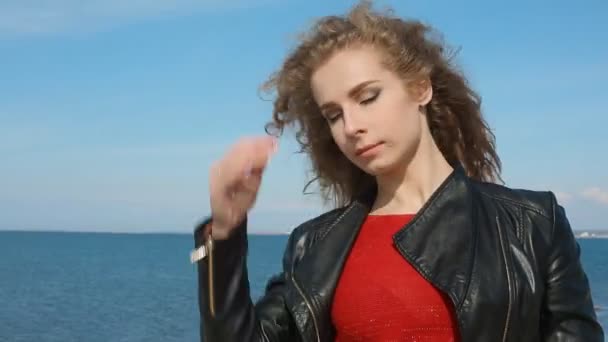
(425, 91)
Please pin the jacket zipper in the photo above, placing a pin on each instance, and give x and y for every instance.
(312, 313)
(209, 247)
(509, 281)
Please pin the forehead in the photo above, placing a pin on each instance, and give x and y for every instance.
(344, 70)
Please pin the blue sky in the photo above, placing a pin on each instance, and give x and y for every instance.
(111, 112)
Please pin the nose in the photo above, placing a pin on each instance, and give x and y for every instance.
(353, 125)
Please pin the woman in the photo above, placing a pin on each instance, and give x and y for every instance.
(422, 244)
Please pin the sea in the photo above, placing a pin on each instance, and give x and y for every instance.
(102, 287)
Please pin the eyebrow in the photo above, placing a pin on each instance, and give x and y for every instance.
(351, 93)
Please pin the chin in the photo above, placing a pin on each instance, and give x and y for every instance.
(377, 167)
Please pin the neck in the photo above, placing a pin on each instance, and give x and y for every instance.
(406, 189)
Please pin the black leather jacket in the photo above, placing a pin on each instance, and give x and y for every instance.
(506, 258)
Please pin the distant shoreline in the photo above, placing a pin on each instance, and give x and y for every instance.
(588, 234)
(591, 234)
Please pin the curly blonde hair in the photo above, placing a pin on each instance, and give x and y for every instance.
(412, 50)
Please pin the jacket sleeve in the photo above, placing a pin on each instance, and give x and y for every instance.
(224, 285)
(568, 310)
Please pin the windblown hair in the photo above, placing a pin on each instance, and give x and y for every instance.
(411, 49)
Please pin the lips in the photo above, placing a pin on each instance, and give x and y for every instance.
(365, 148)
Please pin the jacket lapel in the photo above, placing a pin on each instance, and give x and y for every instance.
(440, 242)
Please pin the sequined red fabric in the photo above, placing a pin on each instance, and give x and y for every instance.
(381, 297)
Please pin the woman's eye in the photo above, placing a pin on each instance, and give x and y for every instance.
(333, 116)
(371, 98)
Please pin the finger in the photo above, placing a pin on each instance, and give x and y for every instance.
(249, 156)
(259, 150)
(219, 195)
(250, 183)
(262, 149)
(214, 171)
(243, 201)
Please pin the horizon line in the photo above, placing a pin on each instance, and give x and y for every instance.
(160, 232)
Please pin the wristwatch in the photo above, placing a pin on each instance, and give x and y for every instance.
(202, 252)
(202, 236)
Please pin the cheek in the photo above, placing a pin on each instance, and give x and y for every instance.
(404, 112)
(339, 138)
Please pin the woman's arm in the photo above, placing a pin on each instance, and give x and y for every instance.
(226, 309)
(568, 310)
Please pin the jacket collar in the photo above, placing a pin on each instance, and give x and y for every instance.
(439, 242)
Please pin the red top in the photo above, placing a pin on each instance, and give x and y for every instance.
(381, 297)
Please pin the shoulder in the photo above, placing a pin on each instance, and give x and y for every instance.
(534, 216)
(317, 225)
(303, 236)
(537, 210)
(541, 203)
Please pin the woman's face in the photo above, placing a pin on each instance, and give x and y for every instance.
(373, 119)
